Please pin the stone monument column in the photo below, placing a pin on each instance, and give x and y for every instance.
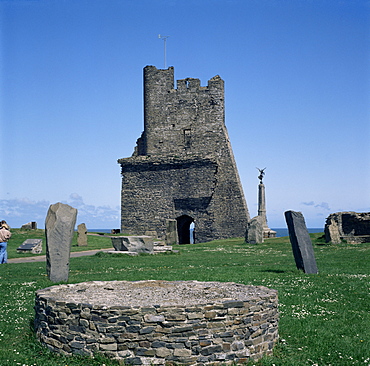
(262, 204)
(267, 232)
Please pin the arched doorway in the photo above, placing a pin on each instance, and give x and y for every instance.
(186, 236)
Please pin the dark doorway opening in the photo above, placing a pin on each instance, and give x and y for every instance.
(186, 236)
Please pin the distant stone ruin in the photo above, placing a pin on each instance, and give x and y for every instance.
(353, 227)
(32, 225)
(183, 166)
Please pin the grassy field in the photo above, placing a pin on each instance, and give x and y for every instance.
(19, 236)
(324, 318)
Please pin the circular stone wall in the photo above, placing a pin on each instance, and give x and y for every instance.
(159, 322)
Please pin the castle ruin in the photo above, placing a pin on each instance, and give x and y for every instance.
(183, 169)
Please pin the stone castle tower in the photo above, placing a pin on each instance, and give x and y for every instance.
(183, 166)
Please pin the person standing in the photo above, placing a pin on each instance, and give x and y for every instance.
(5, 235)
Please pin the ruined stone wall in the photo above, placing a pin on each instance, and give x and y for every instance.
(354, 227)
(183, 163)
(166, 189)
(187, 119)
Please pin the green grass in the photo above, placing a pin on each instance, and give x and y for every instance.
(19, 236)
(324, 318)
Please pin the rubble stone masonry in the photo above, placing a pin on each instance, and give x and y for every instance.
(187, 329)
(183, 166)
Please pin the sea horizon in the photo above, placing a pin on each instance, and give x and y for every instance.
(280, 232)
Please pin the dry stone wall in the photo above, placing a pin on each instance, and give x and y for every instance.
(159, 322)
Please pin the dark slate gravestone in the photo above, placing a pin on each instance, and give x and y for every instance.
(301, 242)
(30, 245)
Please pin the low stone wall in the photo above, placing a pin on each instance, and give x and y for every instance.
(159, 322)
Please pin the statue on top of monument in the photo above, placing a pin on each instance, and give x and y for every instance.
(262, 174)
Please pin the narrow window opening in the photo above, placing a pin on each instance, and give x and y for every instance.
(187, 138)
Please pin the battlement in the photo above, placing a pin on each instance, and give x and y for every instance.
(188, 84)
(191, 84)
(164, 79)
(188, 116)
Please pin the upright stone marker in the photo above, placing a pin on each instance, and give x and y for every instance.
(81, 235)
(254, 232)
(59, 229)
(171, 232)
(301, 242)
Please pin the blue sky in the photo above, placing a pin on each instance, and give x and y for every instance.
(297, 81)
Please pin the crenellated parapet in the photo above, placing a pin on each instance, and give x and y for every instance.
(187, 116)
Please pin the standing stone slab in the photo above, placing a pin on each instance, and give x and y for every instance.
(81, 235)
(172, 237)
(59, 229)
(301, 242)
(255, 229)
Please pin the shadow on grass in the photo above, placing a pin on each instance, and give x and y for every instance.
(274, 271)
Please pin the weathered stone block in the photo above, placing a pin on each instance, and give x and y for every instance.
(77, 344)
(81, 235)
(145, 352)
(154, 318)
(137, 244)
(108, 347)
(171, 232)
(254, 231)
(182, 352)
(210, 350)
(147, 330)
(59, 229)
(163, 352)
(33, 246)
